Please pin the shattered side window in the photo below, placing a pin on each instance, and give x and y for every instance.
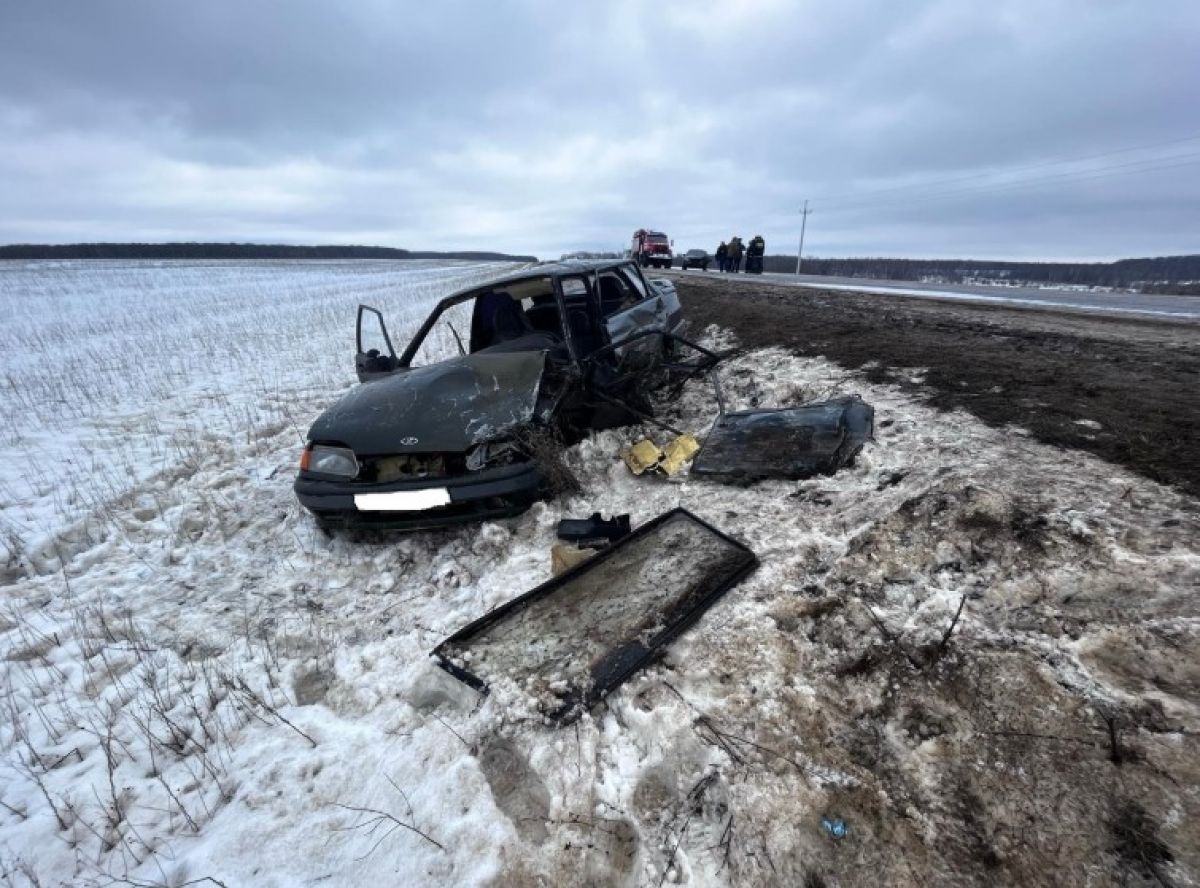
(372, 338)
(452, 328)
(574, 287)
(634, 280)
(616, 293)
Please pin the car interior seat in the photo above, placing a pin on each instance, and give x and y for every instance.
(501, 325)
(543, 316)
(583, 331)
(508, 318)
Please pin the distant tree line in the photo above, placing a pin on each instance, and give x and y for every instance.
(1161, 274)
(237, 251)
(588, 254)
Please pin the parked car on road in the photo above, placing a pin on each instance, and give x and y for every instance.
(447, 430)
(695, 259)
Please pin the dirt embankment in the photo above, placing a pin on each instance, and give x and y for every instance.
(1125, 390)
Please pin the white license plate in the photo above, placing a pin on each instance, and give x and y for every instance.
(402, 500)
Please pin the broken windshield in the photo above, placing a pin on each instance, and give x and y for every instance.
(447, 338)
(515, 316)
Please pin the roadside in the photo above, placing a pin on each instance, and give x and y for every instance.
(1122, 389)
(1155, 306)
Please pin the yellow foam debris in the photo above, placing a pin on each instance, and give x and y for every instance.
(642, 456)
(677, 453)
(564, 557)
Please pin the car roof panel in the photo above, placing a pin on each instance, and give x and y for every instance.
(560, 268)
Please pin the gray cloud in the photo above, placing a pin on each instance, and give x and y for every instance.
(547, 127)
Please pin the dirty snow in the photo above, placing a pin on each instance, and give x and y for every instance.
(201, 684)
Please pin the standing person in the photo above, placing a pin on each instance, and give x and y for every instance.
(755, 253)
(721, 254)
(735, 254)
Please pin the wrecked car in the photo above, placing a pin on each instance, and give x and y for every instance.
(448, 430)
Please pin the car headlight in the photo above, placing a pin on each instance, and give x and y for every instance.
(330, 461)
(492, 453)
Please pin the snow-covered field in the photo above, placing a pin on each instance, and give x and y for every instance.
(200, 685)
(114, 371)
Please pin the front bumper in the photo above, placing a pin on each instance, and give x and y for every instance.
(490, 493)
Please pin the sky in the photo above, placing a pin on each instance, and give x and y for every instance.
(1022, 129)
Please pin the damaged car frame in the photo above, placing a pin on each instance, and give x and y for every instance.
(451, 429)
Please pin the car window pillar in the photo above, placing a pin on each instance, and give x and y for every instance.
(565, 320)
(639, 283)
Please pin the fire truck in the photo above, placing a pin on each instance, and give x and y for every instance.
(651, 248)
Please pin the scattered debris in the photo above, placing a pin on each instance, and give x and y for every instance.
(790, 442)
(678, 452)
(578, 636)
(645, 455)
(594, 532)
(642, 456)
(835, 826)
(564, 557)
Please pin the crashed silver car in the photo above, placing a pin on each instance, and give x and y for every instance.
(449, 429)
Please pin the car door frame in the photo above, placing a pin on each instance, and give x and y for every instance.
(384, 365)
(650, 313)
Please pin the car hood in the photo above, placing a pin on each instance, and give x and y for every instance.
(445, 407)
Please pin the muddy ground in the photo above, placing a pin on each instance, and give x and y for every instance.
(1056, 374)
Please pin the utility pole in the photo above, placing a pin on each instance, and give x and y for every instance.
(803, 222)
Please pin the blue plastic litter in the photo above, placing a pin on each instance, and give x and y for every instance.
(836, 827)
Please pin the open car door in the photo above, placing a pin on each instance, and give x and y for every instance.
(374, 355)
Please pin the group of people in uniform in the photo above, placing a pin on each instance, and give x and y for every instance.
(729, 255)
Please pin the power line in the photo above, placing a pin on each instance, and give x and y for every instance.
(933, 183)
(1066, 178)
(1069, 177)
(803, 224)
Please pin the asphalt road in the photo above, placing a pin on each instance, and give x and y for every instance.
(1179, 308)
